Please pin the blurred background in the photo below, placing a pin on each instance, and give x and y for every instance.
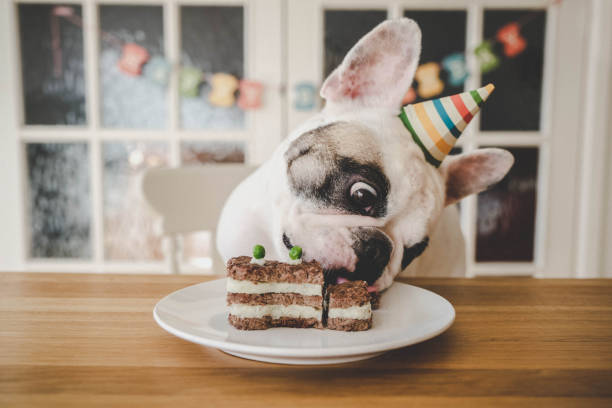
(94, 93)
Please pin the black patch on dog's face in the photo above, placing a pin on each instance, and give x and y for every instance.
(411, 253)
(321, 167)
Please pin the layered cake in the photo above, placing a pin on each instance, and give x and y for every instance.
(349, 307)
(263, 293)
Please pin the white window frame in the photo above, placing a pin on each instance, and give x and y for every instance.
(262, 132)
(556, 234)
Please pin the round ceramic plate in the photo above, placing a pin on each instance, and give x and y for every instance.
(407, 315)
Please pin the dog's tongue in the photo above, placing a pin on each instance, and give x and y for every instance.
(342, 280)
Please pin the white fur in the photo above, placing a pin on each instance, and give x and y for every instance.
(263, 207)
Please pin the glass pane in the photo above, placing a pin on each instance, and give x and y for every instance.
(343, 28)
(437, 43)
(53, 78)
(131, 101)
(518, 80)
(59, 203)
(212, 40)
(212, 152)
(129, 224)
(506, 212)
(197, 250)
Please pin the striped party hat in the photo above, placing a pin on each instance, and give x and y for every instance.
(436, 125)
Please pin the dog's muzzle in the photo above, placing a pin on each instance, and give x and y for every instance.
(373, 250)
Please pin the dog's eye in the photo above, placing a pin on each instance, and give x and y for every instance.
(363, 195)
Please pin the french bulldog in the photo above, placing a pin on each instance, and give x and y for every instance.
(352, 188)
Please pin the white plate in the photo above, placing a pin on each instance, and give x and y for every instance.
(407, 315)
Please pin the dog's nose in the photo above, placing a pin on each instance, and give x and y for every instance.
(373, 249)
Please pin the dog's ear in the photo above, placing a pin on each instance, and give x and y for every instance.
(378, 70)
(474, 172)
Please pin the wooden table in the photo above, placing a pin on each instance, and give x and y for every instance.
(72, 340)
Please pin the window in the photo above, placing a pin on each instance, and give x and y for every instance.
(90, 128)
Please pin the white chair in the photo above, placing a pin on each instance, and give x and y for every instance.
(190, 199)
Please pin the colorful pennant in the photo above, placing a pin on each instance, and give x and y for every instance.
(510, 36)
(427, 75)
(487, 59)
(189, 82)
(133, 57)
(250, 94)
(223, 88)
(455, 65)
(305, 96)
(157, 70)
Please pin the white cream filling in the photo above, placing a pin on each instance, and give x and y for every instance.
(275, 311)
(354, 312)
(295, 261)
(244, 286)
(259, 261)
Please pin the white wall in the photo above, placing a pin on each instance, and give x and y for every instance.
(10, 197)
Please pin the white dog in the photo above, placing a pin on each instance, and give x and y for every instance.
(352, 188)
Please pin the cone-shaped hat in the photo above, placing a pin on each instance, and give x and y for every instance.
(436, 125)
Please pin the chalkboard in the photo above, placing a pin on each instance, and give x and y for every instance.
(59, 201)
(515, 105)
(212, 40)
(506, 212)
(130, 101)
(443, 33)
(343, 28)
(50, 99)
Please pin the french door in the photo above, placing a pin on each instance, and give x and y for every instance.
(526, 224)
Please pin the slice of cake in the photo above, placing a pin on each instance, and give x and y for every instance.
(349, 306)
(263, 294)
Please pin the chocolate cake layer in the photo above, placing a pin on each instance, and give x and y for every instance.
(241, 268)
(348, 294)
(375, 300)
(256, 323)
(275, 299)
(337, 323)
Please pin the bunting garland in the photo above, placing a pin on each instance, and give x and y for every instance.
(136, 61)
(427, 76)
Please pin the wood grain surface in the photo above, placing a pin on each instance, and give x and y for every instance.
(71, 340)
